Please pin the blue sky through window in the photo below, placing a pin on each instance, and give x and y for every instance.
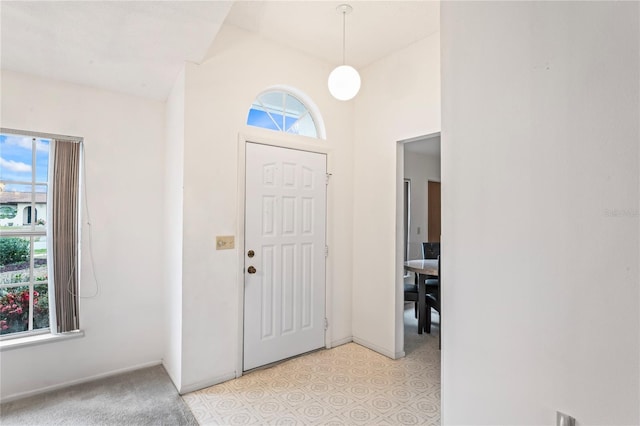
(283, 112)
(260, 118)
(16, 161)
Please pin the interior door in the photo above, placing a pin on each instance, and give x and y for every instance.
(433, 211)
(285, 220)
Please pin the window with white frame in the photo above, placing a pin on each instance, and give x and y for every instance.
(282, 112)
(24, 290)
(39, 233)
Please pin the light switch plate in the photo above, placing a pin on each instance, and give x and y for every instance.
(225, 242)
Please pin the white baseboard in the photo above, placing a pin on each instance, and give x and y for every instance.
(379, 349)
(21, 395)
(341, 342)
(206, 383)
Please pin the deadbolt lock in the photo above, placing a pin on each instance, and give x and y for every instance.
(251, 253)
(251, 270)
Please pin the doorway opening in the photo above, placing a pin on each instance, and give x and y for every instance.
(418, 162)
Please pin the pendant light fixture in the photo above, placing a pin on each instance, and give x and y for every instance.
(344, 81)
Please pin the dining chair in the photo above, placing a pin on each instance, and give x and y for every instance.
(411, 295)
(433, 301)
(430, 250)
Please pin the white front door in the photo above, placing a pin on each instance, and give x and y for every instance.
(284, 294)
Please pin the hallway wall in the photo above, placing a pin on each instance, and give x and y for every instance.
(540, 158)
(420, 169)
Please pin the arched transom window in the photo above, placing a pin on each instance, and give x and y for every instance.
(283, 112)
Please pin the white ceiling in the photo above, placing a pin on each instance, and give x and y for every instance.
(374, 29)
(135, 47)
(139, 47)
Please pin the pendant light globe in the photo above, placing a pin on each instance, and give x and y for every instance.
(344, 82)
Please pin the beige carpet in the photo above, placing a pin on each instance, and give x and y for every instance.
(138, 398)
(347, 385)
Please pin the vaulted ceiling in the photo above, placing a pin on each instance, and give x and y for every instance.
(374, 29)
(139, 47)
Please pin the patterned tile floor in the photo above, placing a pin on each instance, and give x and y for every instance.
(346, 385)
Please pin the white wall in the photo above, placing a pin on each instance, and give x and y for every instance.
(124, 175)
(173, 224)
(420, 169)
(540, 164)
(399, 99)
(218, 95)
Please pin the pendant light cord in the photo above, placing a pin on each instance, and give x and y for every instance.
(344, 16)
(344, 80)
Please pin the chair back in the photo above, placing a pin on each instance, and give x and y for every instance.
(430, 250)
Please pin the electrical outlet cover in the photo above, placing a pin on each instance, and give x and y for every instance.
(563, 419)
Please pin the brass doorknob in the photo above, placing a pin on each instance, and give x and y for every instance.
(251, 270)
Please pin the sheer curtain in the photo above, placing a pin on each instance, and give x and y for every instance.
(64, 222)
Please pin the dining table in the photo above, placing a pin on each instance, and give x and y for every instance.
(424, 268)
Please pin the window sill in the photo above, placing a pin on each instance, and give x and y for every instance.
(7, 345)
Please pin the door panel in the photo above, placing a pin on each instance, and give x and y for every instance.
(285, 211)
